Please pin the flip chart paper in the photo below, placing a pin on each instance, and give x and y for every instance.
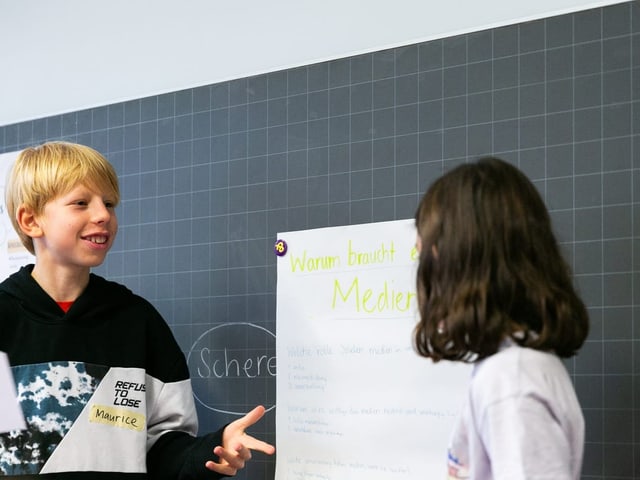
(11, 417)
(354, 400)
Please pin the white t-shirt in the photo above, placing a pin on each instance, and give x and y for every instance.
(521, 420)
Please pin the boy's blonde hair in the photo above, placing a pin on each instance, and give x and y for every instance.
(45, 172)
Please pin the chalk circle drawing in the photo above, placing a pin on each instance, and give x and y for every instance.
(233, 368)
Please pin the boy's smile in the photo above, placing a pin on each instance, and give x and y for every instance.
(97, 239)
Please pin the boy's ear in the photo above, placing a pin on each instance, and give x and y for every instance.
(28, 222)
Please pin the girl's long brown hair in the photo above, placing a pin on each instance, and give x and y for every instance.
(490, 268)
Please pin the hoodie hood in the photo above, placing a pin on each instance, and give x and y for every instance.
(99, 297)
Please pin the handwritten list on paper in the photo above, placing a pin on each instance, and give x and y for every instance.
(354, 400)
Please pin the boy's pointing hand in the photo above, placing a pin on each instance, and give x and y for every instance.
(237, 445)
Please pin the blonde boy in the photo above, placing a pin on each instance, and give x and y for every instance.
(103, 384)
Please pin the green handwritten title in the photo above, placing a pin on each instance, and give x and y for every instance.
(384, 298)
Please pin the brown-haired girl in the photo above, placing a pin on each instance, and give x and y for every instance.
(494, 290)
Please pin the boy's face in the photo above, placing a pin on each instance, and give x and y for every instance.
(77, 228)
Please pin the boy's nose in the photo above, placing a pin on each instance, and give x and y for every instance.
(100, 213)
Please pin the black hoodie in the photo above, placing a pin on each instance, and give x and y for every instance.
(104, 388)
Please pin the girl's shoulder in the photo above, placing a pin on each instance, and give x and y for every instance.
(516, 370)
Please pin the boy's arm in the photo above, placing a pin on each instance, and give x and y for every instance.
(178, 455)
(171, 431)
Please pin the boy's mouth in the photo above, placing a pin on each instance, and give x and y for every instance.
(99, 239)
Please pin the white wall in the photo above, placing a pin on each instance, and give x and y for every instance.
(58, 56)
